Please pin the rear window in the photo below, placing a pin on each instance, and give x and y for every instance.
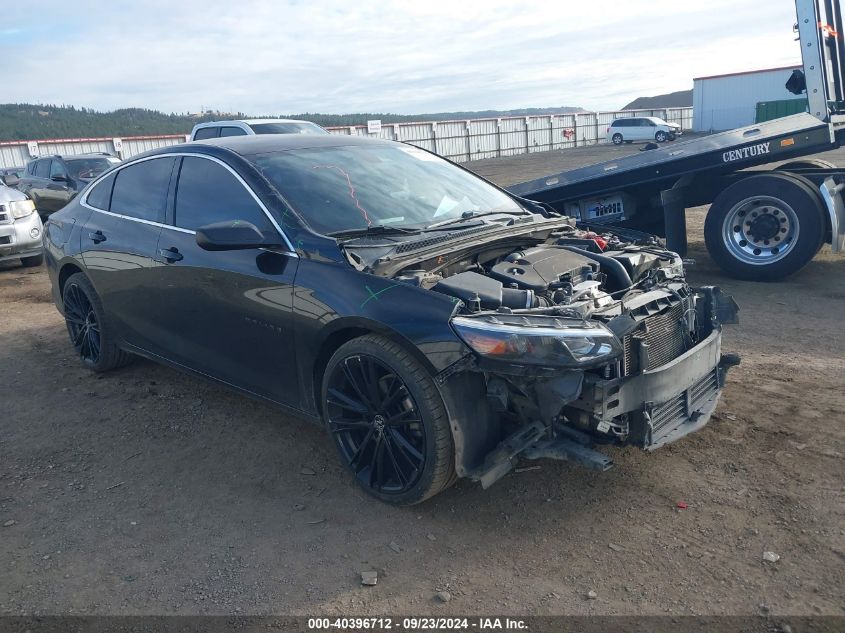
(206, 132)
(232, 131)
(287, 127)
(100, 195)
(42, 169)
(140, 190)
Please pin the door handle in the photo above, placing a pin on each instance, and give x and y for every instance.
(171, 254)
(97, 237)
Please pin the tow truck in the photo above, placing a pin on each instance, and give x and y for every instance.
(763, 224)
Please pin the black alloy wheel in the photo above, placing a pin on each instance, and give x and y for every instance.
(89, 332)
(82, 324)
(387, 420)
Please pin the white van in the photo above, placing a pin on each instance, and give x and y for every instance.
(646, 128)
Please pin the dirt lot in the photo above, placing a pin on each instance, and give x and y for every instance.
(147, 491)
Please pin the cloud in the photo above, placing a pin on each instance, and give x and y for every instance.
(388, 56)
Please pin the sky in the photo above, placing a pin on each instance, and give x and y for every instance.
(292, 56)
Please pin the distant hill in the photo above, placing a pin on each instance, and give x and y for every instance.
(26, 121)
(680, 99)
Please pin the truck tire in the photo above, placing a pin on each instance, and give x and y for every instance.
(388, 421)
(617, 139)
(806, 163)
(765, 227)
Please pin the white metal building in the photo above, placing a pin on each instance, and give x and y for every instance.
(725, 102)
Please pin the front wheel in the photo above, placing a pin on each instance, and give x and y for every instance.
(90, 334)
(617, 139)
(766, 227)
(388, 421)
(661, 136)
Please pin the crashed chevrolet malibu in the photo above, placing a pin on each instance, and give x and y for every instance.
(437, 326)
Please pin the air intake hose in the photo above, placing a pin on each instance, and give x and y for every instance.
(611, 267)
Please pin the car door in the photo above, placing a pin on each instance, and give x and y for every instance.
(226, 314)
(119, 240)
(59, 189)
(35, 185)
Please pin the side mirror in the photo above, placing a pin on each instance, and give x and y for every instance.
(233, 235)
(10, 180)
(59, 178)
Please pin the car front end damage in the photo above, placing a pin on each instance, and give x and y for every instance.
(577, 339)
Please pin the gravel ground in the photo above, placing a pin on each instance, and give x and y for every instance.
(146, 491)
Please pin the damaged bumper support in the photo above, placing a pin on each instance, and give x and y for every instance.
(649, 410)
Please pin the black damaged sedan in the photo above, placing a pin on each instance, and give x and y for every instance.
(437, 326)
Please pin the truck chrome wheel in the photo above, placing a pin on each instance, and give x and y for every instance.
(376, 425)
(760, 230)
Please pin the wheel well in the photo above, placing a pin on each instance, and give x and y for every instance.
(66, 271)
(338, 338)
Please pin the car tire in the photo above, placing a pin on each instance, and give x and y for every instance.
(617, 139)
(749, 223)
(90, 333)
(32, 262)
(661, 136)
(388, 421)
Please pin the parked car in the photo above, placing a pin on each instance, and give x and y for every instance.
(20, 228)
(249, 127)
(647, 128)
(53, 181)
(438, 326)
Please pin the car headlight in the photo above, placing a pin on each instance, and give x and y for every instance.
(547, 341)
(21, 208)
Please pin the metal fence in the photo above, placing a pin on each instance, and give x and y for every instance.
(474, 139)
(460, 141)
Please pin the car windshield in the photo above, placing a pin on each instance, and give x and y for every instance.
(355, 187)
(88, 168)
(287, 127)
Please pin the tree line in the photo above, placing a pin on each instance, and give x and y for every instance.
(26, 121)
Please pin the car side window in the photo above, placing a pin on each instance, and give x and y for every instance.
(57, 168)
(206, 132)
(42, 169)
(140, 190)
(30, 169)
(207, 193)
(100, 196)
(232, 131)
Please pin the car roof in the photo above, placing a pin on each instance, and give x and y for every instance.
(72, 156)
(268, 143)
(251, 121)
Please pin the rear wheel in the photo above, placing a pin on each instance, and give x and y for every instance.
(32, 262)
(805, 163)
(90, 334)
(388, 421)
(661, 136)
(765, 227)
(617, 139)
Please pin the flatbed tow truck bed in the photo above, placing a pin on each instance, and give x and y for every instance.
(763, 224)
(720, 154)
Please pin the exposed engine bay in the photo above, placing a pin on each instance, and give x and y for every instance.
(582, 338)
